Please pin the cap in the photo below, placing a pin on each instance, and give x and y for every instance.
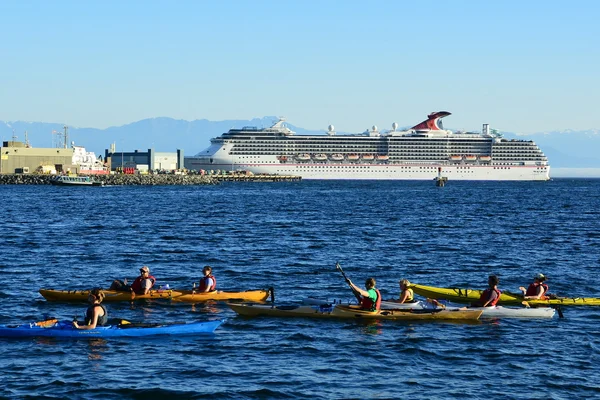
(540, 277)
(145, 269)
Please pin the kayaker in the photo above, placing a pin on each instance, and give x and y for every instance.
(144, 282)
(406, 293)
(537, 290)
(208, 283)
(491, 295)
(96, 314)
(371, 298)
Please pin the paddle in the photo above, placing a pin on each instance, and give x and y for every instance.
(356, 294)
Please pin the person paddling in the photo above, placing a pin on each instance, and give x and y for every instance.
(144, 282)
(491, 295)
(96, 314)
(406, 293)
(538, 290)
(371, 298)
(208, 283)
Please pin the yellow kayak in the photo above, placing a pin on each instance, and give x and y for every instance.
(109, 295)
(507, 298)
(351, 312)
(190, 296)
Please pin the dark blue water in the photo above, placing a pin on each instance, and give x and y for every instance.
(289, 236)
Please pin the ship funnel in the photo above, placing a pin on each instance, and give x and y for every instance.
(486, 129)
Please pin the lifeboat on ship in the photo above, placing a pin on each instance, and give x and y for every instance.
(337, 157)
(455, 158)
(368, 157)
(470, 158)
(485, 158)
(303, 157)
(353, 157)
(320, 157)
(383, 157)
(282, 158)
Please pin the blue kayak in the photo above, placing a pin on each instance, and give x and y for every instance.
(65, 329)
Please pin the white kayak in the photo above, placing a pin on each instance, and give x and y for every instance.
(488, 312)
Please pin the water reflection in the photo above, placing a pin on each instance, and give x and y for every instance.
(97, 348)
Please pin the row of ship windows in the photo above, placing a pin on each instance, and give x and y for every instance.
(391, 146)
(367, 141)
(238, 150)
(427, 170)
(379, 144)
(441, 157)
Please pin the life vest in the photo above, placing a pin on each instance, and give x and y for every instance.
(532, 290)
(485, 296)
(411, 296)
(89, 314)
(137, 284)
(204, 281)
(367, 303)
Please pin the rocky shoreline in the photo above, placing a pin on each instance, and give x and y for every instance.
(150, 180)
(118, 179)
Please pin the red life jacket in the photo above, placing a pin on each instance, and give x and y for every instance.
(532, 290)
(485, 296)
(367, 303)
(203, 283)
(137, 284)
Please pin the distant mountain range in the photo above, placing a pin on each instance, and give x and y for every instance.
(565, 149)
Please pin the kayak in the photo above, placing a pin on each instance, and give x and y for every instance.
(109, 295)
(350, 312)
(191, 296)
(65, 329)
(487, 312)
(176, 294)
(469, 295)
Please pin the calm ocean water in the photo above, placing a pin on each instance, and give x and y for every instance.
(289, 236)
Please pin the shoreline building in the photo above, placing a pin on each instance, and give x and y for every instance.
(18, 157)
(143, 161)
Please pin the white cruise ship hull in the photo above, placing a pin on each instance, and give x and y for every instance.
(424, 152)
(382, 171)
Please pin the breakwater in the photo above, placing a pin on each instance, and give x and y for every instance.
(150, 179)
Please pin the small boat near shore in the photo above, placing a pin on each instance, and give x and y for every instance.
(340, 311)
(65, 180)
(65, 329)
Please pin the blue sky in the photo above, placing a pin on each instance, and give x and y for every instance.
(522, 66)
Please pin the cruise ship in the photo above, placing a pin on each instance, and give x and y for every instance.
(423, 152)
